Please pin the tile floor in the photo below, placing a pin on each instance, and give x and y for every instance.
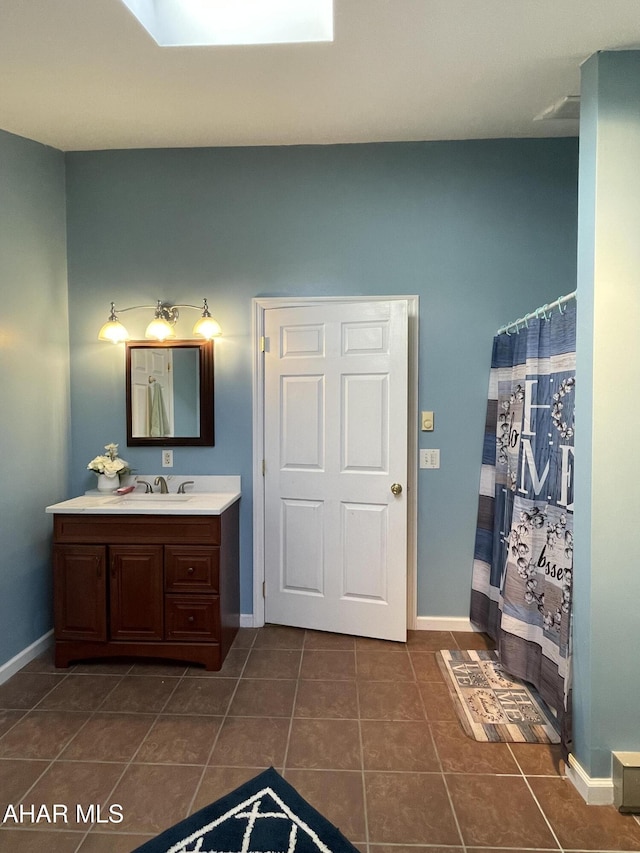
(364, 729)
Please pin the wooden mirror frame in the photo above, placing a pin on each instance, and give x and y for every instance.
(206, 390)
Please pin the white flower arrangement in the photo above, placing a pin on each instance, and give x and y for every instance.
(110, 464)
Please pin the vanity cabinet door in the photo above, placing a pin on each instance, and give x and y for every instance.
(80, 592)
(136, 592)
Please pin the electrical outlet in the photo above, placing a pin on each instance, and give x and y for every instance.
(167, 458)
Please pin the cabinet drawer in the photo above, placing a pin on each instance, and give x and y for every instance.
(137, 529)
(191, 569)
(192, 617)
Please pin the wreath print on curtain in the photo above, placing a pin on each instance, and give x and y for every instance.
(523, 560)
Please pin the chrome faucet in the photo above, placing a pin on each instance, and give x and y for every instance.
(147, 486)
(182, 485)
(160, 481)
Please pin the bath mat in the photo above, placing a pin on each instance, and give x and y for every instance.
(493, 705)
(265, 815)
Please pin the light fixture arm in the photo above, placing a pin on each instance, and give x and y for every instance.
(203, 308)
(162, 309)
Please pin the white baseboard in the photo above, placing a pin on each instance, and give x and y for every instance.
(444, 623)
(422, 623)
(596, 791)
(25, 656)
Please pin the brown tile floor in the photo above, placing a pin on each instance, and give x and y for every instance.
(364, 729)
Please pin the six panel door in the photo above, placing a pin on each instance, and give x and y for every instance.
(336, 379)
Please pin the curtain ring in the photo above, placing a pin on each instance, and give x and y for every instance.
(560, 306)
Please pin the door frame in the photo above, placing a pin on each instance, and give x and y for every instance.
(259, 306)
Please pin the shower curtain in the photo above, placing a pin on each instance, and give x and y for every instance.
(523, 560)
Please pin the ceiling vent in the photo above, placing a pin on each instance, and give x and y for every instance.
(566, 109)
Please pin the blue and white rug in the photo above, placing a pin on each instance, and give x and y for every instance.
(265, 815)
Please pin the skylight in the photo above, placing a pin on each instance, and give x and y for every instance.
(227, 22)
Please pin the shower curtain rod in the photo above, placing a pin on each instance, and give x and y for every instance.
(535, 315)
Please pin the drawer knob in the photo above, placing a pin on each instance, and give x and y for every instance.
(190, 570)
(191, 619)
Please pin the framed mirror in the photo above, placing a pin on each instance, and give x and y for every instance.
(169, 389)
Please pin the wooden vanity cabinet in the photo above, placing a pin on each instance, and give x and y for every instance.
(154, 586)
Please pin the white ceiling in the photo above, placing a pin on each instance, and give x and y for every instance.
(84, 74)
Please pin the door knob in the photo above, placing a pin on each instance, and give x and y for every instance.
(396, 488)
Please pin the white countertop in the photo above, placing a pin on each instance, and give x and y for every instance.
(198, 502)
(203, 503)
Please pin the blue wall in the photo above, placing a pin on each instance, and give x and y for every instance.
(482, 231)
(34, 364)
(607, 505)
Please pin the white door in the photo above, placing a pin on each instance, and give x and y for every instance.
(335, 442)
(149, 366)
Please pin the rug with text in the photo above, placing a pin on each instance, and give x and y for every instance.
(493, 705)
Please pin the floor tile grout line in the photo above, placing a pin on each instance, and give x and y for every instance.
(437, 754)
(104, 698)
(542, 812)
(526, 781)
(515, 759)
(293, 707)
(25, 712)
(363, 778)
(167, 763)
(207, 763)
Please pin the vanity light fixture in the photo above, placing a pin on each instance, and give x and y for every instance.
(162, 325)
(206, 325)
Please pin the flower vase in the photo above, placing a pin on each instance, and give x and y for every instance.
(107, 484)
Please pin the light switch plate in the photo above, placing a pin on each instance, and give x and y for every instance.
(426, 421)
(429, 458)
